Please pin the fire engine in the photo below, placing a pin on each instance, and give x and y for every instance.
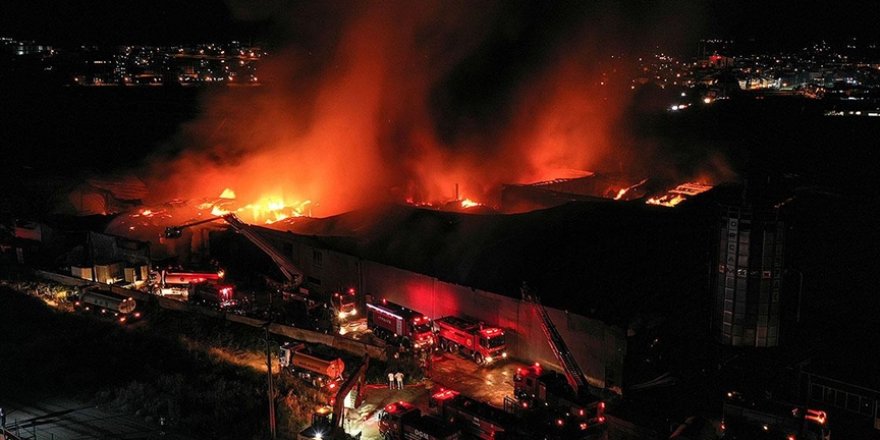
(327, 421)
(394, 323)
(219, 296)
(476, 419)
(536, 388)
(403, 421)
(745, 418)
(343, 306)
(345, 313)
(309, 367)
(472, 339)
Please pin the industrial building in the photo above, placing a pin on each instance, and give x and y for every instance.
(748, 282)
(608, 271)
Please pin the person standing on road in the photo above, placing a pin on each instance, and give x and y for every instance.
(399, 377)
(390, 381)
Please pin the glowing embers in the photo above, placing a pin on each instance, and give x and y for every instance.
(267, 209)
(468, 203)
(679, 194)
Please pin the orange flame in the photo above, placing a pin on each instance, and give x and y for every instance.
(468, 203)
(227, 193)
(267, 209)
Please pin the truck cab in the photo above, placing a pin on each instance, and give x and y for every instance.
(345, 312)
(392, 417)
(535, 387)
(483, 344)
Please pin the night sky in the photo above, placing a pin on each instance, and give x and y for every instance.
(169, 21)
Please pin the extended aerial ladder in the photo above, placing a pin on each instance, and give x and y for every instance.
(573, 373)
(294, 276)
(327, 421)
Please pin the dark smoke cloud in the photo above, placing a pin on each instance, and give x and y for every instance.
(369, 101)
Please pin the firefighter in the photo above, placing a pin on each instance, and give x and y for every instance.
(399, 377)
(390, 381)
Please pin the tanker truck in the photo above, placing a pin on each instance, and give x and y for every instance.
(108, 304)
(320, 372)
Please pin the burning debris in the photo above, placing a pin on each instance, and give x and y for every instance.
(267, 209)
(679, 194)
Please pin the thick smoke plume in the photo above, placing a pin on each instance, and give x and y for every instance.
(379, 101)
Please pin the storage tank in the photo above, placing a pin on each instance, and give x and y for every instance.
(747, 282)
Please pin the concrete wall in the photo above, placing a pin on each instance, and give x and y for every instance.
(598, 348)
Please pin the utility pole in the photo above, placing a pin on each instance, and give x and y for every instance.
(271, 387)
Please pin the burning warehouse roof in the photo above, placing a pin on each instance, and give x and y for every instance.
(593, 187)
(608, 260)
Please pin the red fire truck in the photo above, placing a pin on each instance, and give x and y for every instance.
(394, 323)
(537, 388)
(345, 313)
(403, 421)
(218, 296)
(473, 339)
(475, 418)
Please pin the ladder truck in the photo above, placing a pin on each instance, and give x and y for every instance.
(343, 306)
(476, 419)
(294, 276)
(533, 385)
(327, 420)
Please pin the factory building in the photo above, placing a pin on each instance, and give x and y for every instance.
(604, 271)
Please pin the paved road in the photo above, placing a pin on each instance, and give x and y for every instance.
(66, 419)
(489, 384)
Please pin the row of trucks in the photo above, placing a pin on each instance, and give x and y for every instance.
(108, 304)
(543, 407)
(454, 416)
(400, 325)
(345, 317)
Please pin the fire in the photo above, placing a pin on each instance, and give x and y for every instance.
(621, 193)
(391, 111)
(468, 203)
(679, 194)
(218, 211)
(666, 200)
(267, 209)
(227, 193)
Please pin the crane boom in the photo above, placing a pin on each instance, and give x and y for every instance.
(288, 269)
(573, 373)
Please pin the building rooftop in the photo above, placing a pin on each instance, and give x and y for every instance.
(609, 260)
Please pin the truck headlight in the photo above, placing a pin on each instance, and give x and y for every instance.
(488, 359)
